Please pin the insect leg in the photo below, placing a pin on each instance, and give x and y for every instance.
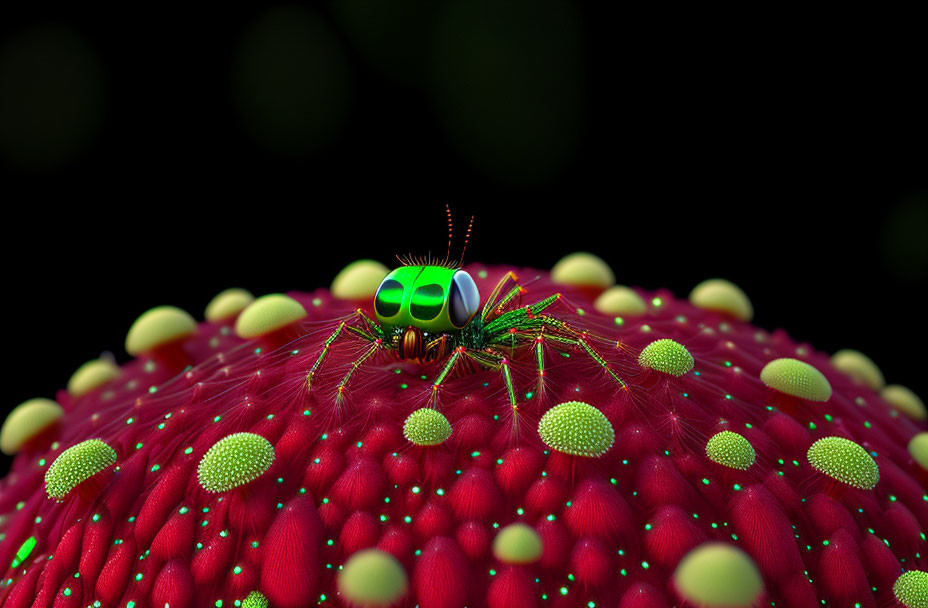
(525, 318)
(363, 334)
(372, 325)
(515, 291)
(507, 377)
(334, 336)
(582, 343)
(494, 360)
(503, 365)
(540, 356)
(549, 321)
(538, 307)
(491, 301)
(370, 352)
(443, 375)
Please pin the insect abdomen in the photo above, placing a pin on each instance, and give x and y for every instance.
(411, 344)
(414, 345)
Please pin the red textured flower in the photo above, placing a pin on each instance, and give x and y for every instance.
(269, 456)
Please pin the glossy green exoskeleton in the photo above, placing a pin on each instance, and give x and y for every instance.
(428, 313)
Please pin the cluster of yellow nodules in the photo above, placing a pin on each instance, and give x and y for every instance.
(918, 449)
(27, 421)
(585, 270)
(375, 579)
(712, 574)
(372, 578)
(911, 589)
(864, 371)
(717, 574)
(517, 545)
(234, 461)
(576, 428)
(426, 427)
(666, 356)
(252, 317)
(844, 460)
(34, 417)
(796, 378)
(157, 328)
(76, 465)
(257, 317)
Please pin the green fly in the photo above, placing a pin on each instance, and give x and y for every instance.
(429, 312)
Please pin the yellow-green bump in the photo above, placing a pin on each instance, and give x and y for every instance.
(576, 428)
(620, 300)
(359, 280)
(905, 401)
(157, 327)
(844, 460)
(426, 427)
(859, 367)
(255, 599)
(667, 356)
(517, 544)
(373, 579)
(722, 296)
(796, 378)
(228, 304)
(583, 269)
(267, 314)
(77, 464)
(91, 375)
(911, 589)
(27, 420)
(233, 461)
(731, 450)
(918, 449)
(715, 574)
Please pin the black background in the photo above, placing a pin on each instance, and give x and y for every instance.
(789, 159)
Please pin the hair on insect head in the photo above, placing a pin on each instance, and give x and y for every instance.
(447, 261)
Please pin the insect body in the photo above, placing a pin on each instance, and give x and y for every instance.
(425, 309)
(432, 313)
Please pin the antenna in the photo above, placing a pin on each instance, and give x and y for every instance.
(411, 260)
(466, 241)
(450, 231)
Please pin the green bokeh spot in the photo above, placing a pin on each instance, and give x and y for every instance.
(667, 356)
(844, 460)
(24, 551)
(576, 428)
(235, 460)
(427, 427)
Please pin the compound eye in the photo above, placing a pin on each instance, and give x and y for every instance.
(465, 299)
(389, 298)
(427, 302)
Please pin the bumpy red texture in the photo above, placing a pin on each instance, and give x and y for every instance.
(613, 528)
